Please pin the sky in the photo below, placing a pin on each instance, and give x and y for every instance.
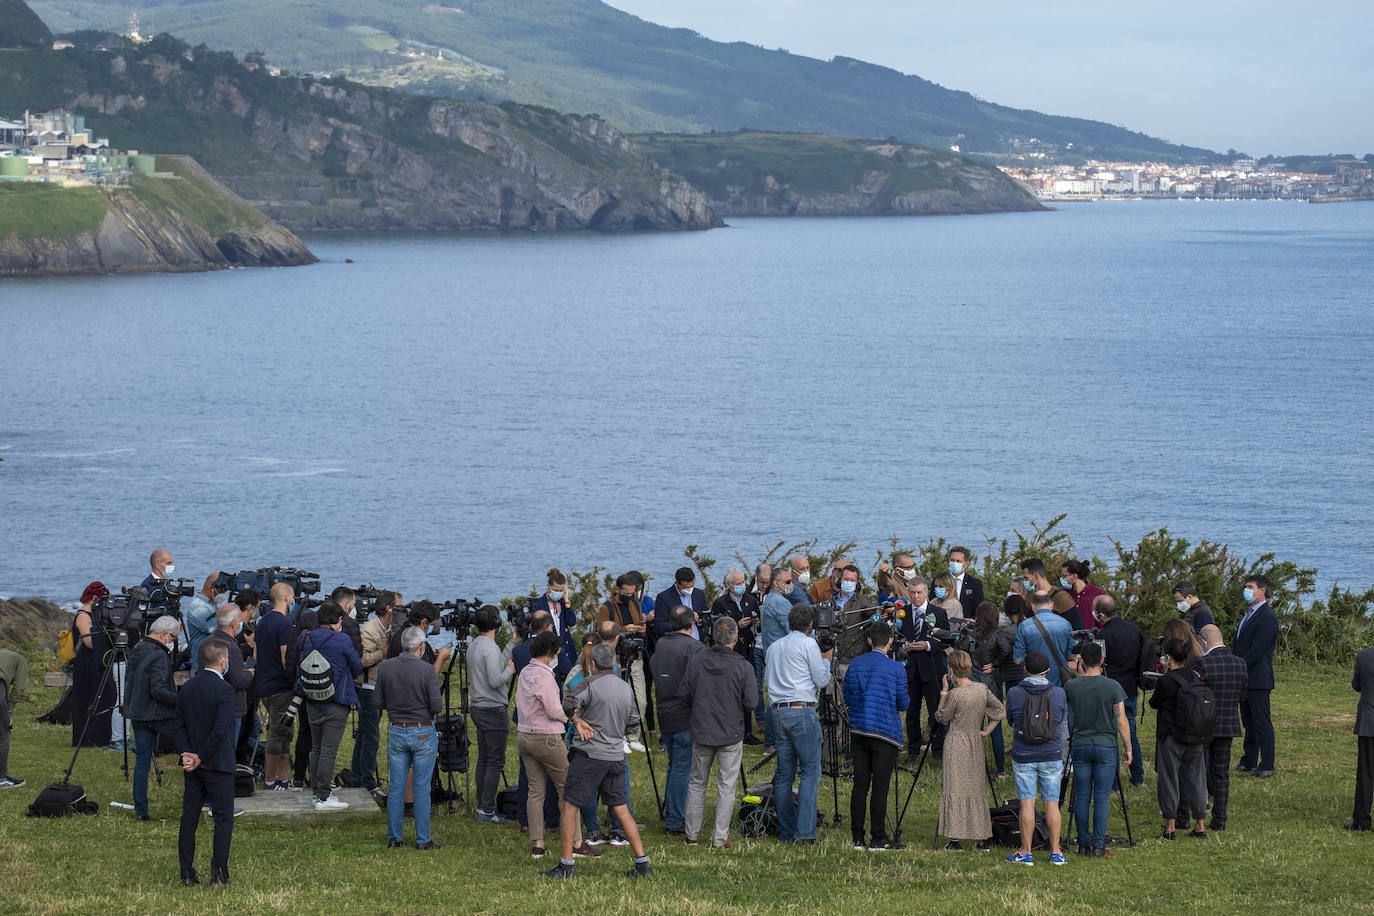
(1259, 77)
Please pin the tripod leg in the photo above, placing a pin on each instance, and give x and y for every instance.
(1125, 809)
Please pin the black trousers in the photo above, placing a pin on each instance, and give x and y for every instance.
(219, 789)
(1364, 781)
(1219, 778)
(1259, 731)
(874, 761)
(929, 692)
(305, 743)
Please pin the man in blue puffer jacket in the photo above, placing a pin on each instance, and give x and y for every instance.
(875, 690)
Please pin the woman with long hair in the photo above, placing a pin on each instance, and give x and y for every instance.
(90, 713)
(964, 705)
(992, 653)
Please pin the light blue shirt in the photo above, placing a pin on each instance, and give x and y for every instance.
(198, 616)
(795, 669)
(1028, 640)
(773, 626)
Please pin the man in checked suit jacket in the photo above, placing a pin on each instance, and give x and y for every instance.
(205, 708)
(1255, 639)
(1227, 675)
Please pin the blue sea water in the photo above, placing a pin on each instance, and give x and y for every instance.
(455, 414)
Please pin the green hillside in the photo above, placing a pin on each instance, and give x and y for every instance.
(582, 55)
(20, 26)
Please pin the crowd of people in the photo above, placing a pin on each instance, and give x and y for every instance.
(703, 682)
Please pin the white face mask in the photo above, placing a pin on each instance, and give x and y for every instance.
(1182, 606)
(167, 572)
(803, 578)
(848, 587)
(907, 574)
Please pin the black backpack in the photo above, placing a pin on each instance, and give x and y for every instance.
(1037, 718)
(1006, 827)
(61, 799)
(1195, 710)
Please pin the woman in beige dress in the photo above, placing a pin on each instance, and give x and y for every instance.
(964, 703)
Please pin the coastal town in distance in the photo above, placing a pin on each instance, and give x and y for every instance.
(1243, 179)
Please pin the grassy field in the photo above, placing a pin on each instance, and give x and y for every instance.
(1284, 851)
(33, 210)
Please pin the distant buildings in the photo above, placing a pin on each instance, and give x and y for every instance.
(1242, 180)
(56, 147)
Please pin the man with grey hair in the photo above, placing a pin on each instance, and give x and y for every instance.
(743, 605)
(777, 605)
(151, 701)
(602, 709)
(228, 623)
(719, 689)
(408, 689)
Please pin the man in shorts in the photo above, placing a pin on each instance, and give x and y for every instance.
(603, 711)
(1036, 709)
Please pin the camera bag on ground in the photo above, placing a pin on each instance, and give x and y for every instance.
(1195, 715)
(317, 676)
(244, 781)
(757, 814)
(1006, 827)
(453, 744)
(508, 803)
(1037, 718)
(61, 799)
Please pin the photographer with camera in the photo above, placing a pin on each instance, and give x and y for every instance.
(925, 667)
(375, 633)
(327, 668)
(408, 689)
(623, 608)
(198, 614)
(151, 701)
(743, 605)
(276, 683)
(669, 663)
(796, 670)
(557, 603)
(602, 711)
(490, 671)
(875, 689)
(1129, 654)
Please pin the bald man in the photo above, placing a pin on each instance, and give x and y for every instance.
(1228, 676)
(274, 635)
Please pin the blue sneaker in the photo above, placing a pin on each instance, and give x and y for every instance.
(490, 817)
(1019, 859)
(1057, 858)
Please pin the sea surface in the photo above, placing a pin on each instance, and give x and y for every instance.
(453, 415)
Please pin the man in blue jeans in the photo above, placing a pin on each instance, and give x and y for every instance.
(773, 624)
(1129, 655)
(1099, 717)
(669, 664)
(151, 701)
(796, 669)
(408, 689)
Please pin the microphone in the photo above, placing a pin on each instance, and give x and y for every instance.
(930, 621)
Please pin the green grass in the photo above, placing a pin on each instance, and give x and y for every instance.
(1284, 851)
(33, 210)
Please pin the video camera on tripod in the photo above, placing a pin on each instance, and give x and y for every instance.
(824, 619)
(166, 595)
(261, 581)
(1082, 637)
(518, 616)
(122, 616)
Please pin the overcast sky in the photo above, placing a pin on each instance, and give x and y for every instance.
(1262, 77)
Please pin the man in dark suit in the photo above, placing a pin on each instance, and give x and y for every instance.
(683, 593)
(925, 666)
(555, 603)
(968, 588)
(1227, 675)
(1255, 639)
(1363, 681)
(205, 738)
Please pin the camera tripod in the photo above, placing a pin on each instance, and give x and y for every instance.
(118, 654)
(458, 732)
(1069, 782)
(627, 676)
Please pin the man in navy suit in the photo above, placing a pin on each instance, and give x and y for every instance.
(683, 593)
(925, 666)
(1255, 639)
(555, 603)
(205, 738)
(1227, 675)
(1363, 682)
(967, 588)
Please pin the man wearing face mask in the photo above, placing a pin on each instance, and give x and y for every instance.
(967, 588)
(683, 593)
(556, 602)
(1194, 610)
(800, 567)
(827, 588)
(1036, 579)
(375, 634)
(229, 623)
(742, 605)
(151, 703)
(1255, 639)
(925, 666)
(1074, 577)
(198, 614)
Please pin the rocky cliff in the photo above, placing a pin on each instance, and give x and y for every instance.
(24, 622)
(756, 173)
(330, 154)
(185, 221)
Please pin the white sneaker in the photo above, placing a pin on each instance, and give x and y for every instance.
(627, 747)
(332, 803)
(634, 746)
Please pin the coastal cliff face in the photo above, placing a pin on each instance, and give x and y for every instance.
(753, 173)
(330, 154)
(188, 222)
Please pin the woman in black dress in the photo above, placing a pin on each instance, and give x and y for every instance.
(87, 668)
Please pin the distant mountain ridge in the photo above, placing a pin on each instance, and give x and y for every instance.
(21, 27)
(583, 55)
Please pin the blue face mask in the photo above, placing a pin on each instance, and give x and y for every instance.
(738, 589)
(940, 592)
(555, 597)
(1064, 582)
(848, 587)
(955, 567)
(1249, 594)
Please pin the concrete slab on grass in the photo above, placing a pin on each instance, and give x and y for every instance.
(301, 806)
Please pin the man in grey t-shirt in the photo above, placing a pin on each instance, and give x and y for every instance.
(489, 671)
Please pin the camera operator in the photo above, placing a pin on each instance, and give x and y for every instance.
(719, 687)
(669, 663)
(250, 730)
(925, 667)
(347, 600)
(557, 603)
(276, 683)
(1129, 654)
(151, 701)
(603, 712)
(329, 716)
(229, 623)
(198, 614)
(875, 689)
(408, 689)
(375, 633)
(490, 671)
(424, 615)
(205, 717)
(161, 563)
(623, 608)
(796, 670)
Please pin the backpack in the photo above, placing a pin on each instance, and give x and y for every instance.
(1037, 718)
(61, 799)
(66, 647)
(317, 676)
(245, 781)
(1195, 712)
(1006, 827)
